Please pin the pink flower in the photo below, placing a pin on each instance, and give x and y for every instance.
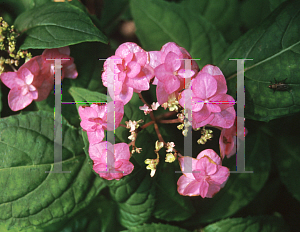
(228, 142)
(170, 70)
(29, 83)
(132, 72)
(68, 66)
(210, 103)
(207, 178)
(111, 161)
(94, 120)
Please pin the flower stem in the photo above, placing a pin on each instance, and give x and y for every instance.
(176, 120)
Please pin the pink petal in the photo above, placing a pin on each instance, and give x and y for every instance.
(194, 188)
(224, 119)
(155, 58)
(122, 151)
(161, 73)
(185, 73)
(220, 176)
(139, 83)
(211, 154)
(70, 71)
(203, 188)
(213, 107)
(204, 86)
(161, 94)
(45, 89)
(11, 80)
(190, 164)
(182, 182)
(200, 123)
(170, 47)
(87, 112)
(125, 95)
(212, 190)
(224, 100)
(133, 69)
(218, 75)
(127, 167)
(172, 62)
(124, 49)
(18, 101)
(171, 84)
(141, 57)
(95, 136)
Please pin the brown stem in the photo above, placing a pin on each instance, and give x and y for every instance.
(122, 125)
(166, 115)
(147, 124)
(176, 120)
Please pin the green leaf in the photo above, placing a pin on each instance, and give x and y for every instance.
(286, 149)
(111, 14)
(275, 3)
(155, 22)
(29, 196)
(241, 188)
(54, 25)
(170, 205)
(155, 228)
(80, 95)
(259, 223)
(135, 193)
(274, 47)
(225, 15)
(98, 216)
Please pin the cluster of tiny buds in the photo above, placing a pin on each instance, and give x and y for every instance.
(206, 135)
(147, 110)
(184, 127)
(172, 103)
(8, 46)
(133, 125)
(170, 157)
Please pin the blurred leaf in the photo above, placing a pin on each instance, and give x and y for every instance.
(155, 22)
(285, 150)
(155, 228)
(275, 3)
(46, 26)
(241, 188)
(29, 196)
(274, 47)
(111, 14)
(259, 223)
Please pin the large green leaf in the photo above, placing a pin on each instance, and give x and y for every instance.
(275, 3)
(29, 196)
(259, 223)
(159, 22)
(54, 25)
(155, 228)
(135, 193)
(274, 47)
(241, 188)
(286, 150)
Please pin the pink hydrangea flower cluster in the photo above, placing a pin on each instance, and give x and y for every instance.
(110, 162)
(34, 80)
(208, 175)
(210, 103)
(133, 70)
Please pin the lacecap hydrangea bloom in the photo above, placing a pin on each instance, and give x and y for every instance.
(94, 119)
(111, 161)
(34, 80)
(210, 103)
(169, 68)
(131, 72)
(208, 175)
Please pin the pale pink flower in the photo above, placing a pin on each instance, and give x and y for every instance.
(228, 141)
(132, 72)
(29, 83)
(111, 161)
(208, 175)
(170, 70)
(68, 67)
(146, 109)
(210, 103)
(94, 120)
